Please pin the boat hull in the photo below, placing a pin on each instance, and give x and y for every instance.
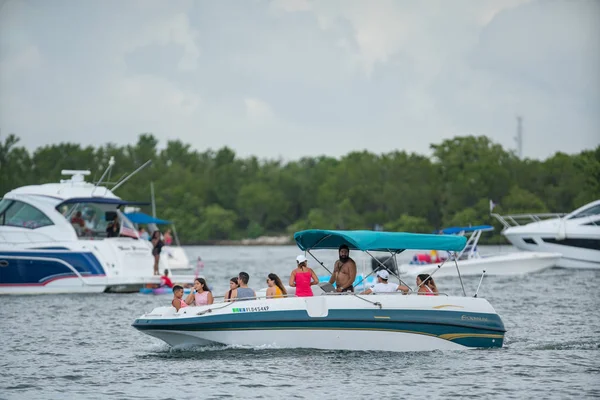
(335, 322)
(115, 265)
(174, 258)
(505, 264)
(572, 257)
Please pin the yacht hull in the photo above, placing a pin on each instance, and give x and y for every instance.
(571, 256)
(114, 265)
(504, 264)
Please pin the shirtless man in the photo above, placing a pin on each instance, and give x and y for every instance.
(344, 271)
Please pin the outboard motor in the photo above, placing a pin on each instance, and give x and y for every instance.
(390, 264)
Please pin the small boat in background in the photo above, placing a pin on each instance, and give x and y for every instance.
(473, 263)
(162, 290)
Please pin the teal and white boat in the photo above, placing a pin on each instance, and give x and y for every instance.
(336, 321)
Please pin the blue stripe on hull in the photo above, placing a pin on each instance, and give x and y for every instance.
(467, 329)
(29, 271)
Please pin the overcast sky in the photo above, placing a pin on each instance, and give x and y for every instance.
(302, 78)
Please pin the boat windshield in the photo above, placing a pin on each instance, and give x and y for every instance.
(588, 212)
(92, 220)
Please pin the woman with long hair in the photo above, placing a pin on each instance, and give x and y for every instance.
(233, 284)
(276, 289)
(201, 294)
(426, 285)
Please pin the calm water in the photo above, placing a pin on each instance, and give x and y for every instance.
(83, 347)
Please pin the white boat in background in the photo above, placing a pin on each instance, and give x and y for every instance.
(340, 321)
(576, 236)
(473, 263)
(54, 239)
(172, 257)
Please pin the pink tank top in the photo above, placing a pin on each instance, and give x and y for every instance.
(429, 291)
(183, 303)
(303, 284)
(201, 299)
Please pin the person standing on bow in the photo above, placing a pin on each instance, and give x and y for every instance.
(344, 271)
(303, 278)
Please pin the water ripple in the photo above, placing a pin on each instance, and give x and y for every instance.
(84, 347)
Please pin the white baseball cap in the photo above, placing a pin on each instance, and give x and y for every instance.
(383, 274)
(300, 259)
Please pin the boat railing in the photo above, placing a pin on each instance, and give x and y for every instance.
(51, 259)
(224, 303)
(509, 221)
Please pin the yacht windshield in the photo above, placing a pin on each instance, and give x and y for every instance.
(97, 220)
(588, 212)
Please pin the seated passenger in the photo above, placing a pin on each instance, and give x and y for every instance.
(243, 292)
(303, 278)
(165, 280)
(78, 220)
(177, 301)
(233, 284)
(276, 289)
(201, 295)
(426, 285)
(383, 286)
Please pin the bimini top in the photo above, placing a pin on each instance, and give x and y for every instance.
(458, 229)
(377, 241)
(141, 218)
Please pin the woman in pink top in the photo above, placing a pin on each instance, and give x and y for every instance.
(202, 295)
(303, 278)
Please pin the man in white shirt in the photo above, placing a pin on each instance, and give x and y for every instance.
(383, 286)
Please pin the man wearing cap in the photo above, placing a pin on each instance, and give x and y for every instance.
(344, 271)
(303, 277)
(383, 286)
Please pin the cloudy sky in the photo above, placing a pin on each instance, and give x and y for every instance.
(293, 78)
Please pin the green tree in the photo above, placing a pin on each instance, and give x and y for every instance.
(407, 223)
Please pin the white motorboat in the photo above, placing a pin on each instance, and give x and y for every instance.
(328, 320)
(474, 263)
(576, 235)
(54, 239)
(172, 256)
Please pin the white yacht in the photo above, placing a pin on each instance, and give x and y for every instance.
(57, 238)
(576, 235)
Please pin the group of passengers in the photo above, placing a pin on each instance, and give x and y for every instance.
(301, 278)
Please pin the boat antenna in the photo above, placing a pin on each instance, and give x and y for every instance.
(153, 202)
(130, 175)
(111, 163)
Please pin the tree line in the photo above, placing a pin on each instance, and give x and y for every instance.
(216, 195)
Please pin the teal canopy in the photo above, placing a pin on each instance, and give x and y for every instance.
(141, 218)
(377, 241)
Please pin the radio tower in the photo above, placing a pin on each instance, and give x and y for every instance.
(519, 137)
